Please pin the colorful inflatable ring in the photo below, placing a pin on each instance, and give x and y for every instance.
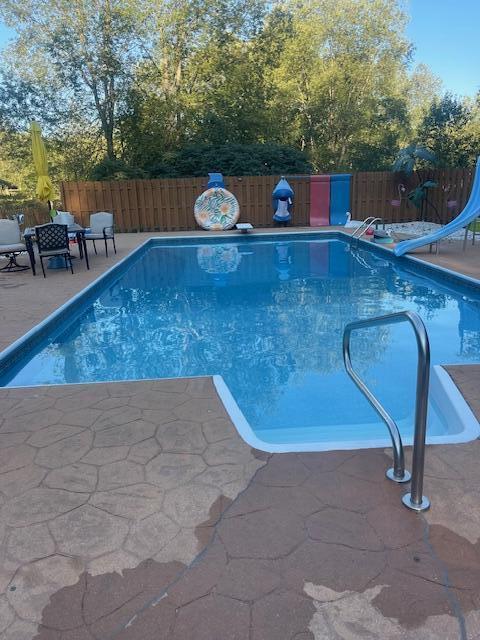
(216, 209)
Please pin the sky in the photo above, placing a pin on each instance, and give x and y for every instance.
(446, 37)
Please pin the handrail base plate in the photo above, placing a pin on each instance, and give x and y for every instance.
(423, 506)
(390, 473)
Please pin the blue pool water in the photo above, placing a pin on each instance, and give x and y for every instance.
(268, 315)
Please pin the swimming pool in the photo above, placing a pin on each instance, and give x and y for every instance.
(267, 314)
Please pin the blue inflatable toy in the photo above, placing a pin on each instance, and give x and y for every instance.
(282, 202)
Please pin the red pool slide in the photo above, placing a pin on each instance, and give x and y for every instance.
(319, 201)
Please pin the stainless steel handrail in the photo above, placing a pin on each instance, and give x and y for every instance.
(365, 226)
(415, 499)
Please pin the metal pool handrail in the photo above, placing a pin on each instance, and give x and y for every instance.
(415, 499)
(365, 226)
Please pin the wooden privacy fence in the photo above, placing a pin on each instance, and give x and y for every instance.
(34, 213)
(384, 194)
(167, 205)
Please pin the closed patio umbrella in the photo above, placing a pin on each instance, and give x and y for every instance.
(44, 184)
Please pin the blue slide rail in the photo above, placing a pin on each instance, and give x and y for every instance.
(470, 213)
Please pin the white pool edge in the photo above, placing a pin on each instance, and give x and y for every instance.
(453, 406)
(444, 393)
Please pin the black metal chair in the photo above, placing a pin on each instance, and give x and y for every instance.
(52, 240)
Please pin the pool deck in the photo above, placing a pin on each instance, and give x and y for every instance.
(135, 511)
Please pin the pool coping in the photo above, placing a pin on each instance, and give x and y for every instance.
(14, 351)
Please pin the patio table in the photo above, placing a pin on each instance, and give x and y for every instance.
(78, 230)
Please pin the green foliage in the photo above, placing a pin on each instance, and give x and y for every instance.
(419, 195)
(238, 160)
(416, 158)
(422, 89)
(446, 129)
(109, 169)
(198, 160)
(7, 185)
(410, 157)
(85, 49)
(182, 87)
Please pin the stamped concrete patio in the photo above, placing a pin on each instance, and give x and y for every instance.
(135, 511)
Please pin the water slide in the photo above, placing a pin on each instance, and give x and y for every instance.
(469, 214)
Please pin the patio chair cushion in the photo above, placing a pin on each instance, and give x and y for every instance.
(64, 217)
(9, 232)
(54, 252)
(97, 236)
(12, 248)
(100, 221)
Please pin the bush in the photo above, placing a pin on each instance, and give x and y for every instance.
(199, 160)
(115, 170)
(231, 160)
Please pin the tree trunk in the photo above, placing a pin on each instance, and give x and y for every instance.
(109, 141)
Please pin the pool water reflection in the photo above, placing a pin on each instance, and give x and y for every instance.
(268, 316)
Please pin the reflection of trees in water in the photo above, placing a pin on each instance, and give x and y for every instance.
(413, 289)
(163, 319)
(256, 338)
(470, 344)
(469, 329)
(316, 313)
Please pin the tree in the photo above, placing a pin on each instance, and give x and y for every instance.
(144, 83)
(421, 90)
(87, 46)
(200, 81)
(445, 130)
(254, 159)
(346, 58)
(199, 159)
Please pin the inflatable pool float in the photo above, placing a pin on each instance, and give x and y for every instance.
(216, 209)
(282, 202)
(382, 237)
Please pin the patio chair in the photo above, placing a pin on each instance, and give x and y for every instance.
(101, 228)
(11, 245)
(52, 240)
(474, 228)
